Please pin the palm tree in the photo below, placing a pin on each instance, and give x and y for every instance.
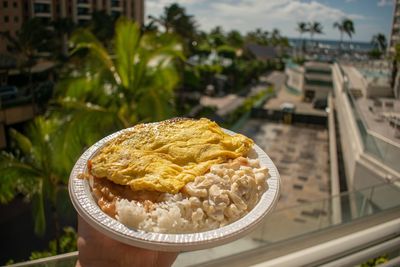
(379, 42)
(340, 27)
(302, 28)
(102, 26)
(275, 36)
(258, 36)
(345, 26)
(348, 28)
(136, 84)
(314, 28)
(175, 20)
(35, 171)
(235, 39)
(63, 28)
(33, 36)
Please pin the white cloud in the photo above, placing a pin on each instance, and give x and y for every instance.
(385, 2)
(246, 15)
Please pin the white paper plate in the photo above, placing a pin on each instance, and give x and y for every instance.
(88, 209)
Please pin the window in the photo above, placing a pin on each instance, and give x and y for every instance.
(16, 19)
(42, 8)
(83, 11)
(5, 4)
(15, 4)
(5, 18)
(114, 3)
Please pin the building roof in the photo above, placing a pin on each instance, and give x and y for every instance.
(262, 52)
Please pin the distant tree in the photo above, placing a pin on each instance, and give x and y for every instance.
(35, 171)
(275, 37)
(33, 37)
(235, 39)
(314, 28)
(258, 36)
(174, 19)
(217, 36)
(63, 28)
(226, 51)
(102, 26)
(379, 42)
(346, 26)
(302, 28)
(339, 26)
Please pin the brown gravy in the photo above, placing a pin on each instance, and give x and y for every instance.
(107, 193)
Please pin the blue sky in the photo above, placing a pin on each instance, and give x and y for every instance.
(369, 16)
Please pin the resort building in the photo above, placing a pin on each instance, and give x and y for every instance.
(317, 80)
(313, 80)
(13, 13)
(369, 123)
(395, 34)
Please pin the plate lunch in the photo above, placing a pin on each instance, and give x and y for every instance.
(86, 206)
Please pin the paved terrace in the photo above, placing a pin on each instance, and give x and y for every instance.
(225, 104)
(301, 156)
(285, 96)
(300, 152)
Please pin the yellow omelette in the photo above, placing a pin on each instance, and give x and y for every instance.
(166, 156)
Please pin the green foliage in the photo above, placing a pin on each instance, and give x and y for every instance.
(376, 261)
(17, 178)
(226, 51)
(175, 20)
(345, 26)
(32, 170)
(375, 54)
(235, 39)
(135, 85)
(314, 28)
(67, 244)
(102, 26)
(32, 37)
(302, 27)
(379, 42)
(203, 50)
(217, 37)
(258, 36)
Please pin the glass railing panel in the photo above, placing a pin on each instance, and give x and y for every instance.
(286, 224)
(383, 151)
(385, 197)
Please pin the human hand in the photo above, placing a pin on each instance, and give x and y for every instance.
(98, 250)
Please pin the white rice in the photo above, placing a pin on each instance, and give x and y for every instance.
(225, 194)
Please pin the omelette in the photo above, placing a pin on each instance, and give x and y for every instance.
(165, 156)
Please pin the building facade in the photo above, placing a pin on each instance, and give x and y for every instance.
(395, 34)
(14, 12)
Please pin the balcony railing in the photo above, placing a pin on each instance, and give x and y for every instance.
(285, 225)
(380, 149)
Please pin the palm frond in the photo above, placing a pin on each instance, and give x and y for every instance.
(22, 141)
(127, 40)
(17, 178)
(84, 39)
(38, 213)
